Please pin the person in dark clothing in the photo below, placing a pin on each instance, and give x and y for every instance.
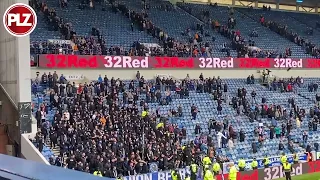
(53, 138)
(242, 136)
(254, 147)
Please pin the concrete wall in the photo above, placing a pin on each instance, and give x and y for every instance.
(14, 74)
(29, 151)
(14, 60)
(9, 115)
(8, 57)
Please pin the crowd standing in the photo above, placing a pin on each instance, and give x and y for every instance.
(104, 127)
(244, 47)
(283, 30)
(169, 46)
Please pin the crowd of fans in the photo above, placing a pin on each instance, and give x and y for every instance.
(170, 46)
(105, 126)
(283, 119)
(93, 45)
(284, 31)
(244, 47)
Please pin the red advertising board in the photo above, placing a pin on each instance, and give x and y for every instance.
(245, 175)
(133, 62)
(276, 172)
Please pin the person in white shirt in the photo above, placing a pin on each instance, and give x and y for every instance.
(60, 51)
(219, 136)
(94, 116)
(43, 116)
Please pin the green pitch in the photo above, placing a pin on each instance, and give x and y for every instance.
(313, 176)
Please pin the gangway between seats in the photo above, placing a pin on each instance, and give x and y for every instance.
(20, 169)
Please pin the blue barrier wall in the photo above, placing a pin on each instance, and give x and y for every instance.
(20, 169)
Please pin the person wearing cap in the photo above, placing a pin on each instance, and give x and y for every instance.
(232, 172)
(287, 168)
(208, 174)
(242, 164)
(254, 164)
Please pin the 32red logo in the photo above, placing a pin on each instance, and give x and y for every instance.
(20, 20)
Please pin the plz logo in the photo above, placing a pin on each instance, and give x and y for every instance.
(20, 20)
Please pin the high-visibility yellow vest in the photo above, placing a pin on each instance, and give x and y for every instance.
(144, 113)
(216, 167)
(242, 163)
(254, 164)
(97, 173)
(206, 160)
(287, 167)
(194, 168)
(174, 175)
(208, 175)
(284, 159)
(233, 173)
(266, 161)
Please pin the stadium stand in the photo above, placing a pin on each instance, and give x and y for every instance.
(119, 127)
(184, 110)
(174, 27)
(250, 30)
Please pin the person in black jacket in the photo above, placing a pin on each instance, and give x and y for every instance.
(225, 88)
(53, 137)
(38, 118)
(219, 109)
(254, 147)
(253, 95)
(281, 147)
(242, 136)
